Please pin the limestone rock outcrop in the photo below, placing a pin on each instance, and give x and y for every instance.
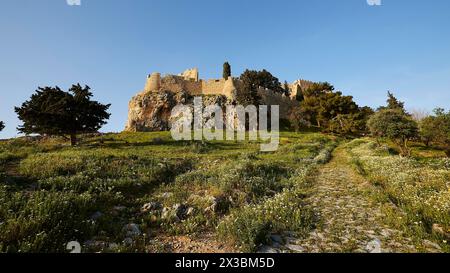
(151, 111)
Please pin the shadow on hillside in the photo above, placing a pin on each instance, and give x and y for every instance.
(119, 144)
(9, 175)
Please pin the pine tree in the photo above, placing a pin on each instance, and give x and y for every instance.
(393, 103)
(52, 111)
(2, 125)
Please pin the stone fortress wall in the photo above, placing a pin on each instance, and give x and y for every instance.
(190, 82)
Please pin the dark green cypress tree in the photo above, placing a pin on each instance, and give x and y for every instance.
(226, 70)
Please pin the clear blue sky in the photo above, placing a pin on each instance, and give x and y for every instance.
(111, 45)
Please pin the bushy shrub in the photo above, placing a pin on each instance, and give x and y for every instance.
(394, 125)
(257, 180)
(250, 227)
(436, 129)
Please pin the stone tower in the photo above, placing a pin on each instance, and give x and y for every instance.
(190, 75)
(229, 88)
(153, 82)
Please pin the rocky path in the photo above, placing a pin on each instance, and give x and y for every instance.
(349, 219)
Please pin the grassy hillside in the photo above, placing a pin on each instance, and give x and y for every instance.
(144, 192)
(418, 187)
(135, 191)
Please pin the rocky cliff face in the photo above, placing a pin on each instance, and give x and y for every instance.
(151, 111)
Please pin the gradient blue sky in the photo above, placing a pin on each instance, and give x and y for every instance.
(111, 45)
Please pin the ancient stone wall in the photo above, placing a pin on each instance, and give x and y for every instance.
(178, 84)
(230, 89)
(190, 74)
(213, 87)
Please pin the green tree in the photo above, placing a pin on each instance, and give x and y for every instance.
(334, 104)
(52, 111)
(429, 128)
(226, 70)
(250, 85)
(318, 89)
(252, 80)
(435, 129)
(394, 125)
(287, 89)
(297, 119)
(311, 103)
(266, 80)
(351, 123)
(2, 126)
(299, 96)
(332, 111)
(263, 79)
(393, 103)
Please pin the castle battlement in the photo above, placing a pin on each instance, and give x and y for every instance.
(189, 82)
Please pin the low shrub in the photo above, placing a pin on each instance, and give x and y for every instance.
(251, 226)
(43, 221)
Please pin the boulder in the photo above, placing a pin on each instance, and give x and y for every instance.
(220, 205)
(440, 230)
(374, 246)
(152, 206)
(132, 230)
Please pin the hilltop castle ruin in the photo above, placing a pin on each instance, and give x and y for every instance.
(189, 82)
(150, 109)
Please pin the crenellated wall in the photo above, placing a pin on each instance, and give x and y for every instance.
(187, 82)
(190, 83)
(213, 87)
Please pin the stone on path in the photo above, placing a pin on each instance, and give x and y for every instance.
(374, 246)
(295, 248)
(267, 249)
